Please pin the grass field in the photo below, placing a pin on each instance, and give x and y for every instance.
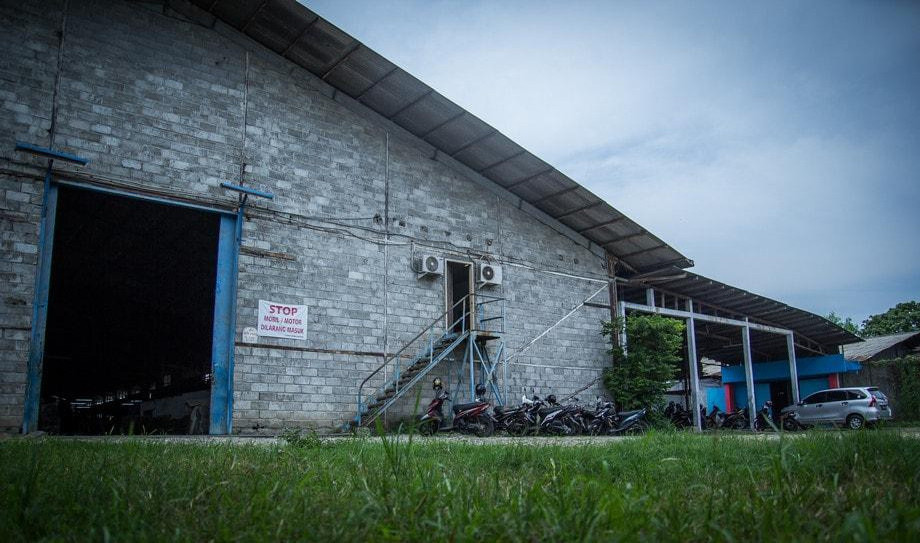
(837, 486)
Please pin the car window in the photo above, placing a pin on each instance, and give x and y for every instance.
(856, 395)
(817, 397)
(879, 395)
(836, 396)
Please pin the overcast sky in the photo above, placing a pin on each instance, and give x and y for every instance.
(776, 144)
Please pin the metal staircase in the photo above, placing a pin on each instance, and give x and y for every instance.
(436, 342)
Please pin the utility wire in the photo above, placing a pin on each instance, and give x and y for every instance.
(521, 350)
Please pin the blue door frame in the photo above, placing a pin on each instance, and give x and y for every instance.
(224, 330)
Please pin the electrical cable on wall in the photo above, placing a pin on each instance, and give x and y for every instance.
(524, 348)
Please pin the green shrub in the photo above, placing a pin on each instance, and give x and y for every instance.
(640, 375)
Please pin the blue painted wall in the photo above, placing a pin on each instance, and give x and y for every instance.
(715, 396)
(779, 370)
(761, 394)
(808, 386)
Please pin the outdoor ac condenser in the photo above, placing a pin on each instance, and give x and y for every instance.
(488, 274)
(430, 265)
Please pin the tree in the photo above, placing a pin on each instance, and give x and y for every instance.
(904, 317)
(847, 324)
(640, 376)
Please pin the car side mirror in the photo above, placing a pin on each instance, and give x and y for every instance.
(800, 403)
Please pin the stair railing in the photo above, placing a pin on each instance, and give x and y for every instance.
(459, 324)
(490, 314)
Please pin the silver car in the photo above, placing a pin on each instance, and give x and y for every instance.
(852, 406)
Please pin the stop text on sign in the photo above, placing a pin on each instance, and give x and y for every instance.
(282, 320)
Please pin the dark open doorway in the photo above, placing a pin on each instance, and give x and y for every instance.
(780, 395)
(459, 282)
(130, 317)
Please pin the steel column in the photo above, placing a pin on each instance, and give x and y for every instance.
(749, 374)
(504, 360)
(694, 369)
(224, 331)
(793, 367)
(472, 366)
(40, 305)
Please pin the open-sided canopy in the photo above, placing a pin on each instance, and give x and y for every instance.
(813, 334)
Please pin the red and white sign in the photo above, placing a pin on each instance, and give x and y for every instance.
(282, 320)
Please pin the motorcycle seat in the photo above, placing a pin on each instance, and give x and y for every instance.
(464, 406)
(625, 414)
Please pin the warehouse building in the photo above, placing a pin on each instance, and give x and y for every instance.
(233, 217)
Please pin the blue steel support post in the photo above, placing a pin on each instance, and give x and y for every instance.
(240, 216)
(42, 279)
(472, 345)
(40, 305)
(230, 342)
(222, 339)
(504, 361)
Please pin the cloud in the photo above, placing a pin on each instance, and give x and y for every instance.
(775, 144)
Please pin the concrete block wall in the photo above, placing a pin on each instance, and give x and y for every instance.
(156, 102)
(26, 84)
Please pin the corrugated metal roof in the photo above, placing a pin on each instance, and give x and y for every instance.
(814, 332)
(305, 38)
(872, 346)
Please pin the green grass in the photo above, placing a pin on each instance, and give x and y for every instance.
(842, 486)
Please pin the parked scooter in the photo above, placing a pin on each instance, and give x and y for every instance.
(469, 418)
(737, 420)
(715, 419)
(517, 421)
(791, 423)
(557, 419)
(607, 421)
(764, 418)
(678, 415)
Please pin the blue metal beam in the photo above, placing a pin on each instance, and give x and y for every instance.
(50, 153)
(145, 197)
(248, 190)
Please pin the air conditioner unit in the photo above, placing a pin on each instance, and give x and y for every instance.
(488, 274)
(430, 265)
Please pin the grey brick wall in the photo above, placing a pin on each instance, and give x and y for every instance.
(157, 102)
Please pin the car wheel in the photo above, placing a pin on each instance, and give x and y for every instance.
(855, 422)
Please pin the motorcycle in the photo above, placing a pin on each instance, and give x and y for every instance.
(791, 422)
(607, 421)
(716, 418)
(535, 415)
(469, 418)
(764, 418)
(738, 420)
(515, 420)
(558, 419)
(678, 415)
